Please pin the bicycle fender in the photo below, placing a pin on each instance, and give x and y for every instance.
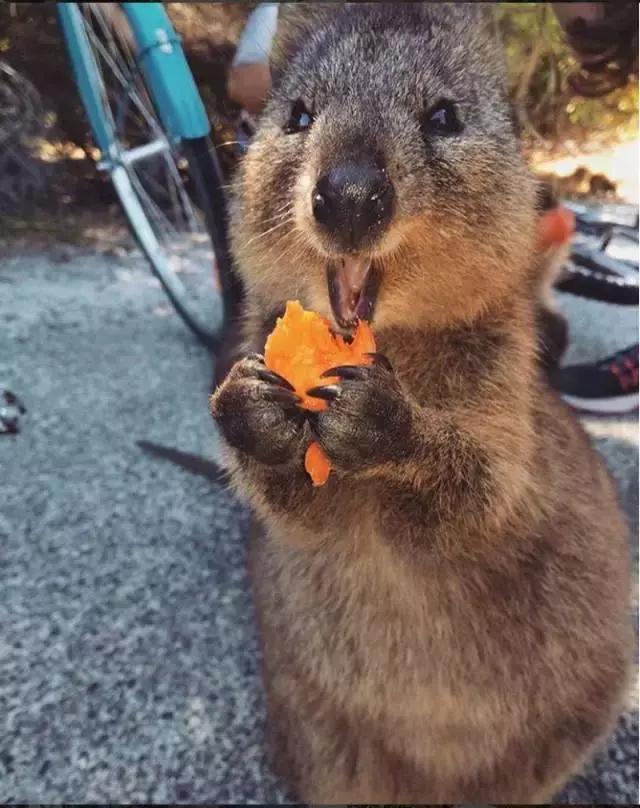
(162, 60)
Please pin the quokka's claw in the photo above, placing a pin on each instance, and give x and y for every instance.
(282, 396)
(328, 392)
(346, 372)
(274, 378)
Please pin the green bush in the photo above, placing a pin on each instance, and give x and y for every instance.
(540, 62)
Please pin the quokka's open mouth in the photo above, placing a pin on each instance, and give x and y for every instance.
(353, 284)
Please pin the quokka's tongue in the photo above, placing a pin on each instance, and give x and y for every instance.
(347, 281)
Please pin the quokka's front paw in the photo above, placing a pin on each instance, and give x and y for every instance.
(368, 421)
(257, 412)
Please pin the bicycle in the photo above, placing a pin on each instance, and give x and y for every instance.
(150, 126)
(595, 269)
(602, 265)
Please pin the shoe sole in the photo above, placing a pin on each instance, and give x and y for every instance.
(614, 405)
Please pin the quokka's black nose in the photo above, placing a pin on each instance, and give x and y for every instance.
(353, 203)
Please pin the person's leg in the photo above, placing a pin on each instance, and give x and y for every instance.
(555, 229)
(249, 79)
(604, 40)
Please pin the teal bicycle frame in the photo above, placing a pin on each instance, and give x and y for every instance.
(163, 63)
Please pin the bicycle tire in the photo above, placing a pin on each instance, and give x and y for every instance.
(602, 286)
(208, 177)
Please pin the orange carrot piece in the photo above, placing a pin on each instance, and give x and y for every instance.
(317, 464)
(301, 348)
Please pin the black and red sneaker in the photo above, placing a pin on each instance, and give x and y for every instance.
(609, 386)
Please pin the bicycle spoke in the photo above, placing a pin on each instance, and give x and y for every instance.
(123, 46)
(162, 191)
(164, 226)
(126, 82)
(184, 212)
(126, 85)
(190, 216)
(172, 192)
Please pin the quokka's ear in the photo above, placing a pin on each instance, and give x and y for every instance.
(296, 23)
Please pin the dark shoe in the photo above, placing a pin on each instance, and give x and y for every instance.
(606, 387)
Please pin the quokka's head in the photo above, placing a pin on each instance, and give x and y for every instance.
(385, 181)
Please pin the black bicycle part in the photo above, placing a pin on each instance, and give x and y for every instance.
(206, 173)
(593, 274)
(602, 286)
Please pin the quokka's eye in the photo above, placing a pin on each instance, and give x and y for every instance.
(300, 119)
(442, 119)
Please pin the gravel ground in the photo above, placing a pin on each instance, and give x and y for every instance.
(128, 661)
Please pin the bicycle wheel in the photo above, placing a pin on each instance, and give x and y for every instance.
(159, 182)
(582, 280)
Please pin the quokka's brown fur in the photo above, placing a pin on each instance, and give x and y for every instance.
(447, 619)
